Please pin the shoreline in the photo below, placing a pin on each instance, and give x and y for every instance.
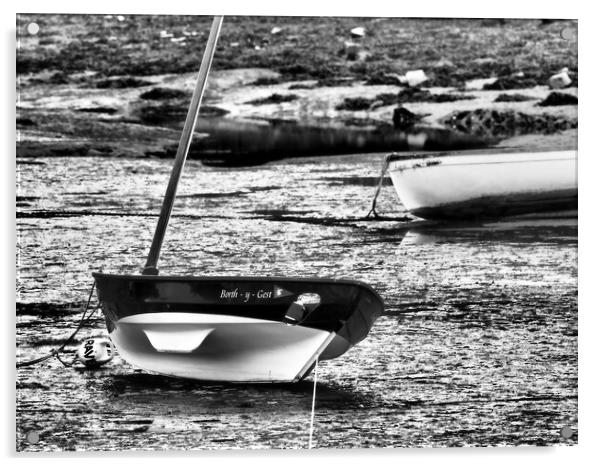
(90, 85)
(66, 120)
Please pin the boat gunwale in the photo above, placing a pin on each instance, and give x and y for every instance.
(400, 164)
(247, 278)
(491, 151)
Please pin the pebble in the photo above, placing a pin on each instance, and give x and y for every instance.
(560, 80)
(358, 32)
(415, 77)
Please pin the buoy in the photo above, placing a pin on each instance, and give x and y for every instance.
(94, 352)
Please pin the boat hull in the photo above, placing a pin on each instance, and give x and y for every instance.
(477, 185)
(217, 347)
(233, 329)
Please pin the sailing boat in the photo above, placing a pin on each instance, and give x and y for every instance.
(232, 329)
(478, 184)
(498, 182)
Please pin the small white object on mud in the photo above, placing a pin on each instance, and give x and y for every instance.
(94, 352)
(358, 32)
(33, 29)
(478, 84)
(165, 35)
(276, 30)
(414, 78)
(120, 18)
(444, 63)
(560, 80)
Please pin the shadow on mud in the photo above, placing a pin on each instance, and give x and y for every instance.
(169, 391)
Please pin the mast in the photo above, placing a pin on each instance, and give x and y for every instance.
(185, 140)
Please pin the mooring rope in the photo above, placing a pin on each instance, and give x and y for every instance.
(56, 351)
(383, 172)
(313, 404)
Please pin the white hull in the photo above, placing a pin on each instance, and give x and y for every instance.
(219, 347)
(481, 184)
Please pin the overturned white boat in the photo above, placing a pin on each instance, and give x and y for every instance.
(485, 184)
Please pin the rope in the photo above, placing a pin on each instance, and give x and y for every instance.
(383, 172)
(56, 351)
(313, 404)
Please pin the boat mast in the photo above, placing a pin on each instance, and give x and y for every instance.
(187, 133)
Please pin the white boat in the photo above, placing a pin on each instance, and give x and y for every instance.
(474, 184)
(230, 329)
(234, 329)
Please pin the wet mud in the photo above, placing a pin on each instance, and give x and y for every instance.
(477, 346)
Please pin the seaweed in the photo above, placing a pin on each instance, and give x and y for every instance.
(512, 98)
(558, 98)
(355, 104)
(164, 93)
(121, 83)
(510, 82)
(274, 99)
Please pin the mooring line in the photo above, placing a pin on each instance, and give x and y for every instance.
(56, 351)
(383, 172)
(313, 404)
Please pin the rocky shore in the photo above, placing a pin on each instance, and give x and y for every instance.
(120, 86)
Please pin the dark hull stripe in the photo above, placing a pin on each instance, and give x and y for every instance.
(347, 307)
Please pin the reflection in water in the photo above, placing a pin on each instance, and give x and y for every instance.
(553, 228)
(246, 143)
